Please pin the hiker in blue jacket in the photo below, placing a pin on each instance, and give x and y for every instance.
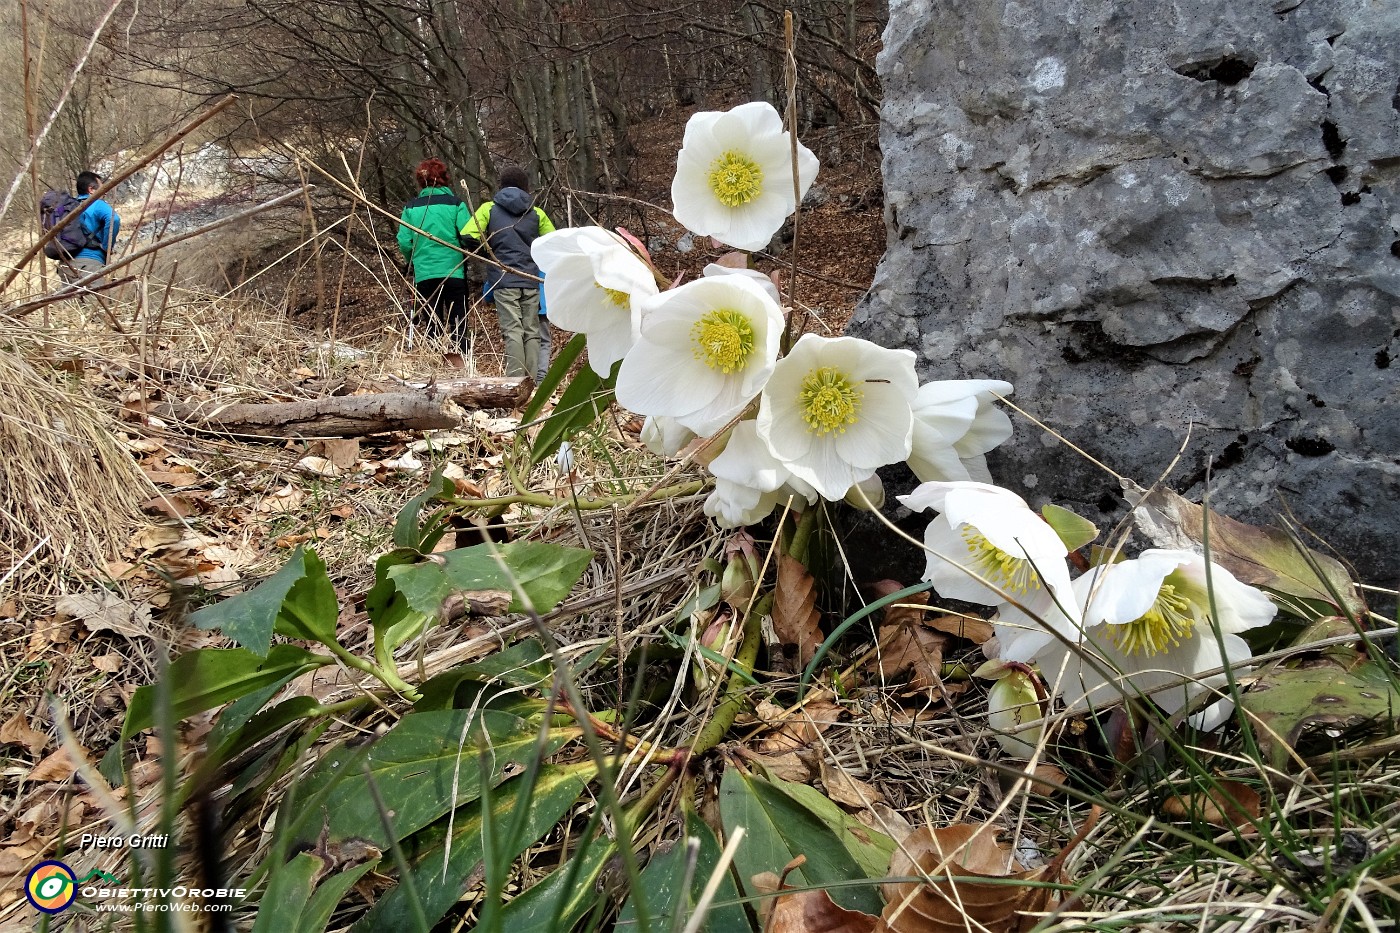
(502, 230)
(101, 224)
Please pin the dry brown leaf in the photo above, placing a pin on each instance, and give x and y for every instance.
(102, 610)
(58, 766)
(974, 630)
(468, 489)
(15, 859)
(318, 466)
(286, 499)
(171, 505)
(156, 536)
(1226, 804)
(18, 731)
(108, 663)
(912, 648)
(790, 766)
(176, 479)
(886, 819)
(795, 616)
(343, 452)
(847, 789)
(816, 912)
(969, 890)
(802, 726)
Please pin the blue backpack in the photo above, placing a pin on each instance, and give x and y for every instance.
(54, 206)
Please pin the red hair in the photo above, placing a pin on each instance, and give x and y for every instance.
(432, 173)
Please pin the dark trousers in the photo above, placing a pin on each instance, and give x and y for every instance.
(446, 307)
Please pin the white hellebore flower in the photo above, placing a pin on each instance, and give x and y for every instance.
(734, 175)
(594, 285)
(837, 409)
(705, 350)
(991, 532)
(956, 422)
(750, 482)
(1150, 619)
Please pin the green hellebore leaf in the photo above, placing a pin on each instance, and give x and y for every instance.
(1288, 705)
(439, 886)
(211, 677)
(249, 617)
(664, 874)
(1074, 530)
(783, 820)
(415, 766)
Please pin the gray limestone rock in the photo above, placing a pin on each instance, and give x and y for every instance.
(1154, 216)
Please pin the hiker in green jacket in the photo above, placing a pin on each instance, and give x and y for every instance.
(439, 268)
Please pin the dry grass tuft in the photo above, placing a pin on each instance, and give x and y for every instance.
(68, 490)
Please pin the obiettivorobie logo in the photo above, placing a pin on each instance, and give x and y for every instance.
(52, 886)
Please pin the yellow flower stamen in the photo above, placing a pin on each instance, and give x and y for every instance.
(1166, 623)
(735, 179)
(616, 297)
(830, 402)
(1005, 571)
(723, 340)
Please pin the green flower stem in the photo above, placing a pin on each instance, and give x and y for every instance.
(802, 535)
(385, 675)
(602, 502)
(744, 660)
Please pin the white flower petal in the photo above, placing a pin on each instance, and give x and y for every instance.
(934, 495)
(665, 437)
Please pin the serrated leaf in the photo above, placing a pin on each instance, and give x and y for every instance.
(778, 828)
(555, 790)
(1265, 557)
(1074, 530)
(211, 677)
(310, 609)
(415, 766)
(1286, 703)
(249, 617)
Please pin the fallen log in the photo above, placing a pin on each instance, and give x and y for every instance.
(334, 416)
(482, 391)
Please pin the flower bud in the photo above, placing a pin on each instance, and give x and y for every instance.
(1012, 702)
(717, 631)
(737, 585)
